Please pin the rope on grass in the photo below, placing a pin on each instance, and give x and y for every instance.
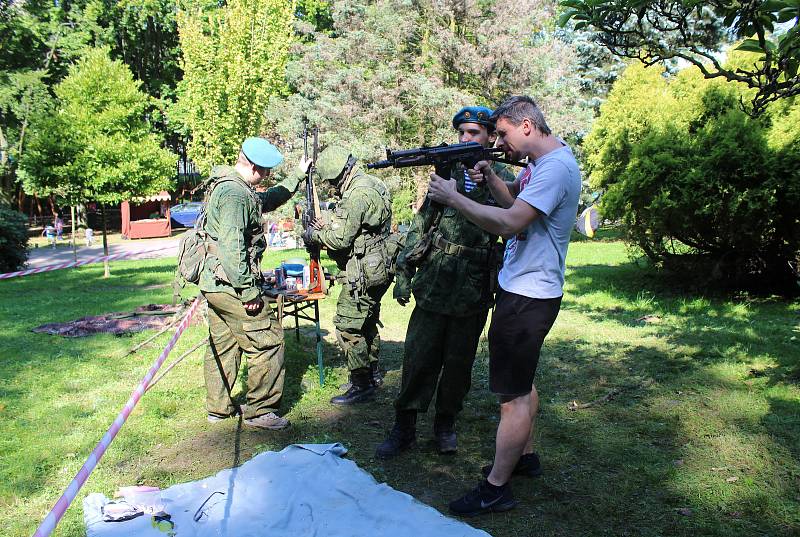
(176, 362)
(138, 346)
(58, 266)
(57, 512)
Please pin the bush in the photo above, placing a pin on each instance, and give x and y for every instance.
(13, 240)
(701, 187)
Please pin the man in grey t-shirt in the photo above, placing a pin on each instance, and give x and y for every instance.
(537, 213)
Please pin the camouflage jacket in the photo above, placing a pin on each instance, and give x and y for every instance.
(233, 220)
(455, 277)
(359, 221)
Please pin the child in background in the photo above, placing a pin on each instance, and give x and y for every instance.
(50, 233)
(89, 235)
(59, 223)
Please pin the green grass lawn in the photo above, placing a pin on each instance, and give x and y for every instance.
(701, 435)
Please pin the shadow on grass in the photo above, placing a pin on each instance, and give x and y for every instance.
(719, 330)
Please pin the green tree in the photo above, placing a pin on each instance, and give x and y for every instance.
(234, 61)
(393, 73)
(13, 239)
(38, 40)
(96, 144)
(700, 186)
(41, 39)
(654, 31)
(144, 35)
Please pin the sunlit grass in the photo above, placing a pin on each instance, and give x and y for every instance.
(701, 436)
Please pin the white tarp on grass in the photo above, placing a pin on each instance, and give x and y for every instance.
(302, 491)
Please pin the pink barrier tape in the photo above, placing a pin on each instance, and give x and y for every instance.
(72, 264)
(49, 523)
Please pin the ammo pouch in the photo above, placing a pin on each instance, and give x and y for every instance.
(369, 266)
(375, 263)
(394, 244)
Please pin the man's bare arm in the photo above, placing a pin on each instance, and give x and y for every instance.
(503, 193)
(499, 221)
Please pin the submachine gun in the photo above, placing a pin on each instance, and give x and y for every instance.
(442, 158)
(317, 276)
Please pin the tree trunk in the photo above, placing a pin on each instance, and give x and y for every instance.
(107, 272)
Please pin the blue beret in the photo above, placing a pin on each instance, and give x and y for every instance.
(261, 153)
(473, 114)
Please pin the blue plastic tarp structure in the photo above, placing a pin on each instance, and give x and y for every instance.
(304, 490)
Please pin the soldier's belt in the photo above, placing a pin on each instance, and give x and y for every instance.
(459, 250)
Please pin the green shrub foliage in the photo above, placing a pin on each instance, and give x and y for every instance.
(699, 185)
(13, 240)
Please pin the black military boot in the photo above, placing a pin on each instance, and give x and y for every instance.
(361, 388)
(444, 431)
(377, 377)
(377, 374)
(403, 435)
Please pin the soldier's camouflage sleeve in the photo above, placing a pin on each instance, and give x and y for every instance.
(405, 272)
(233, 246)
(345, 223)
(279, 194)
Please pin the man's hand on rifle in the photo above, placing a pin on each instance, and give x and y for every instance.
(318, 223)
(481, 172)
(442, 190)
(304, 164)
(254, 306)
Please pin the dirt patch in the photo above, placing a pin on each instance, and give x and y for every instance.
(151, 316)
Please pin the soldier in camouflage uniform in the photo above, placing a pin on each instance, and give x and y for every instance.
(238, 321)
(356, 238)
(453, 287)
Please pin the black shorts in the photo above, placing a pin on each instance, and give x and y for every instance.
(519, 326)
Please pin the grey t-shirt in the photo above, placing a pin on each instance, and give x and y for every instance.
(534, 260)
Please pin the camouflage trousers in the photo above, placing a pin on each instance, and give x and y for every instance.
(232, 331)
(439, 349)
(356, 323)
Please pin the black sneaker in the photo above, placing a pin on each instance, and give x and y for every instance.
(527, 465)
(485, 498)
(398, 441)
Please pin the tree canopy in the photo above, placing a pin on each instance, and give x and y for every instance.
(699, 185)
(234, 61)
(95, 142)
(393, 73)
(656, 31)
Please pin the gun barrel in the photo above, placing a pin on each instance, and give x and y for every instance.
(380, 164)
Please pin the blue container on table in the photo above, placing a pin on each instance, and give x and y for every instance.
(293, 269)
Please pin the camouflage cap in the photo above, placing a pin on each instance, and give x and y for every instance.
(331, 162)
(473, 114)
